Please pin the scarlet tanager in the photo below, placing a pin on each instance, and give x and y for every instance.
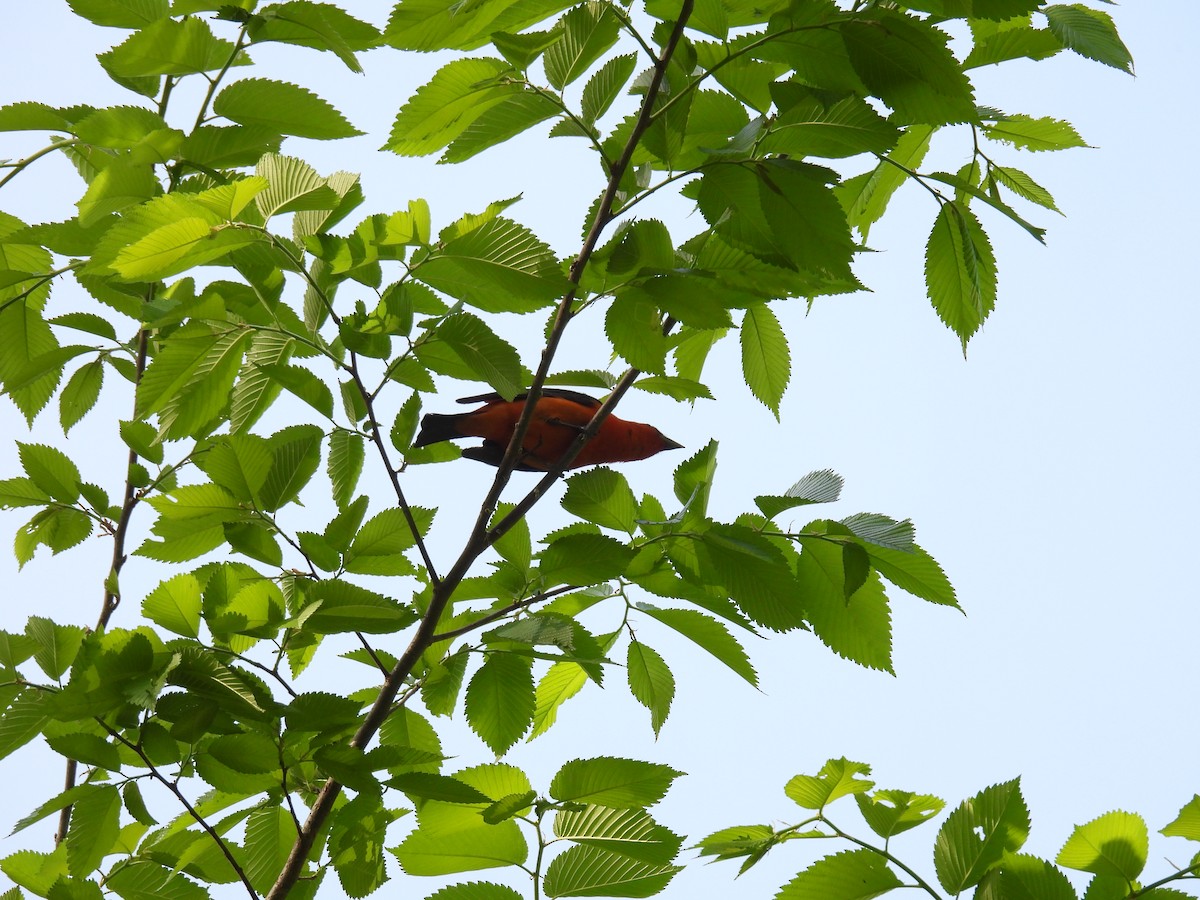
(557, 419)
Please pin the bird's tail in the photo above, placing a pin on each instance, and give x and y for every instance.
(437, 427)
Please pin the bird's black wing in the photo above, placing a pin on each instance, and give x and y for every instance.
(573, 396)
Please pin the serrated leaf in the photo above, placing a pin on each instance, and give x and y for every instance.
(347, 452)
(175, 605)
(1187, 823)
(888, 813)
(283, 107)
(766, 361)
(1089, 32)
(446, 105)
(592, 872)
(80, 394)
(613, 782)
(837, 778)
(588, 31)
(168, 47)
(500, 266)
(347, 607)
(709, 634)
(960, 271)
(634, 325)
(584, 559)
(624, 832)
(50, 470)
(850, 875)
(857, 627)
(602, 496)
(1034, 134)
(1114, 844)
(651, 682)
(979, 834)
(823, 486)
(500, 700)
(95, 823)
(605, 86)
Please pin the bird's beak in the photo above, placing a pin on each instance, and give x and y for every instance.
(669, 444)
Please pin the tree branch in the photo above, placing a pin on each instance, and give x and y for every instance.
(478, 539)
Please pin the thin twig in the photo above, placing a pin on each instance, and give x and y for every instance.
(112, 589)
(21, 165)
(174, 789)
(500, 614)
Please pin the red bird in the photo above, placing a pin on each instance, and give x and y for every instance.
(557, 419)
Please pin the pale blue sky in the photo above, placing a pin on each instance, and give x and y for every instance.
(1051, 473)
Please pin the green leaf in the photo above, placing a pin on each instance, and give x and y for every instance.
(455, 847)
(57, 644)
(293, 185)
(1090, 33)
(823, 486)
(50, 470)
(515, 544)
(584, 559)
(57, 528)
(378, 547)
(441, 25)
(500, 700)
(613, 782)
(707, 633)
(907, 64)
(837, 778)
(889, 813)
(296, 455)
(427, 786)
(321, 26)
(865, 197)
(270, 834)
(1015, 38)
(348, 607)
(139, 880)
(499, 266)
(857, 627)
(588, 31)
(304, 384)
(1114, 844)
(23, 720)
(474, 345)
(80, 393)
(602, 496)
(625, 832)
(175, 605)
(1034, 134)
(475, 890)
(95, 823)
(979, 834)
(1023, 186)
(282, 107)
(168, 47)
(960, 270)
(347, 453)
(589, 871)
(849, 875)
(766, 362)
(1186, 824)
(847, 128)
(754, 572)
(514, 114)
(651, 682)
(1025, 876)
(121, 13)
(914, 571)
(445, 106)
(603, 88)
(634, 325)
